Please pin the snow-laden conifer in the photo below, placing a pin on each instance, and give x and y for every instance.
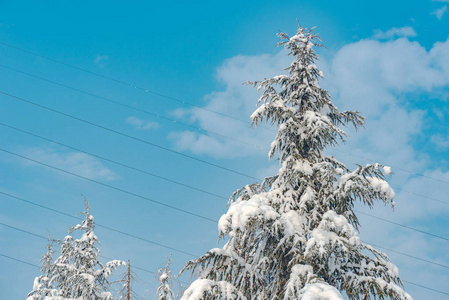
(77, 273)
(295, 235)
(165, 288)
(43, 286)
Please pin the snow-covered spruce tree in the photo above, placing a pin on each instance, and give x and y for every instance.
(77, 273)
(295, 236)
(165, 288)
(43, 287)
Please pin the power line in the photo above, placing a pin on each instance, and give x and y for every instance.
(43, 237)
(404, 226)
(31, 264)
(425, 287)
(110, 186)
(113, 161)
(19, 260)
(133, 107)
(22, 230)
(128, 136)
(411, 256)
(395, 167)
(34, 265)
(188, 212)
(419, 195)
(100, 225)
(127, 84)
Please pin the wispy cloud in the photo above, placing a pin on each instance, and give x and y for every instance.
(406, 31)
(100, 60)
(440, 12)
(440, 141)
(75, 162)
(141, 124)
(235, 100)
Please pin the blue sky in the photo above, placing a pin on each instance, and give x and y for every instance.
(388, 59)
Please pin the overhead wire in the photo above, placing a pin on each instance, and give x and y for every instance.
(425, 287)
(395, 167)
(410, 256)
(419, 195)
(127, 84)
(132, 107)
(127, 135)
(403, 226)
(100, 225)
(19, 260)
(110, 186)
(113, 161)
(45, 238)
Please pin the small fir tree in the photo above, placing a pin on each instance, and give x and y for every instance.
(295, 236)
(43, 286)
(77, 273)
(165, 288)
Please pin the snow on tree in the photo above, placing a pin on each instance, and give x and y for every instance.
(77, 273)
(43, 287)
(295, 235)
(165, 288)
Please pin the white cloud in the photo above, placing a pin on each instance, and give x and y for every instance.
(75, 162)
(100, 60)
(374, 77)
(406, 31)
(440, 12)
(235, 100)
(440, 141)
(141, 124)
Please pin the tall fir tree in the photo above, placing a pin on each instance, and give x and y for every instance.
(76, 273)
(295, 236)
